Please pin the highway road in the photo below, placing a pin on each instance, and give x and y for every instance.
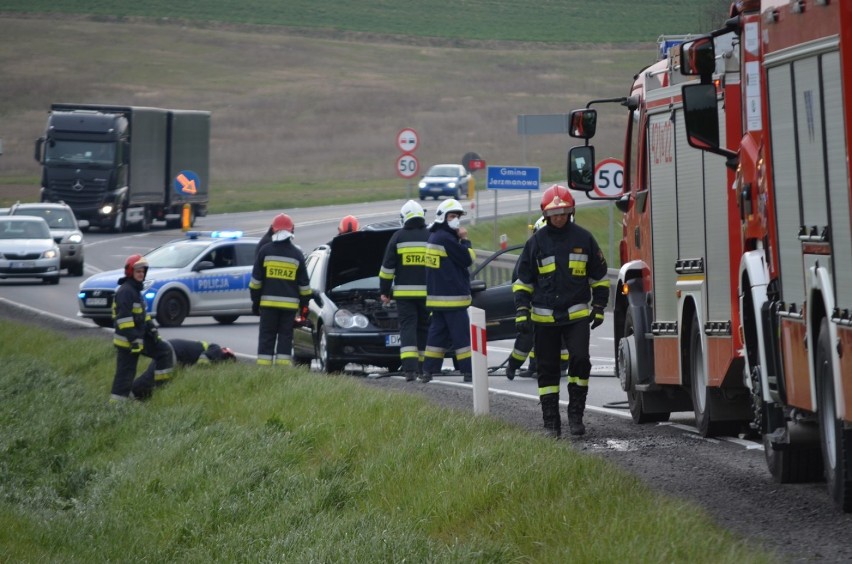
(314, 226)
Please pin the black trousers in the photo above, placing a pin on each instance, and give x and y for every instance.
(275, 339)
(548, 345)
(413, 331)
(158, 372)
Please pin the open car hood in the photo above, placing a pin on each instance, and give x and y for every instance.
(356, 255)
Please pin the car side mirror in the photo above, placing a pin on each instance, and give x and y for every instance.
(203, 265)
(477, 285)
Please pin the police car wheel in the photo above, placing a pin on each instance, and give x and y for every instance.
(172, 309)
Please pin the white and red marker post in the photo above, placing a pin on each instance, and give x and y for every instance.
(479, 360)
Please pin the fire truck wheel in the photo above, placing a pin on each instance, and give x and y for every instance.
(627, 373)
(698, 381)
(835, 440)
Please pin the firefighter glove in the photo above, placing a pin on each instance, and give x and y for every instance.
(255, 308)
(597, 316)
(523, 323)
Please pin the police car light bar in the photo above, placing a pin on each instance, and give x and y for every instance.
(214, 234)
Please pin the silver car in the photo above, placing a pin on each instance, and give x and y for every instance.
(27, 250)
(64, 230)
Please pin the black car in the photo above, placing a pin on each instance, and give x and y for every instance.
(349, 323)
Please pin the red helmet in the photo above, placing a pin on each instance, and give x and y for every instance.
(557, 200)
(282, 222)
(133, 262)
(347, 225)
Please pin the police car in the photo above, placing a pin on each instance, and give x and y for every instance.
(206, 274)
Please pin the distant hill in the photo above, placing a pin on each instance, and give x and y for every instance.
(558, 21)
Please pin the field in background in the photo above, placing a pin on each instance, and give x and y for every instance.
(304, 118)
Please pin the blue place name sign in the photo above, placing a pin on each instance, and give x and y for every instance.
(513, 178)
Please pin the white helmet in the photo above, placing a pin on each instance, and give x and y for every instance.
(410, 210)
(539, 224)
(448, 206)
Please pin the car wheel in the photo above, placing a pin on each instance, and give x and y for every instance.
(76, 270)
(103, 322)
(226, 319)
(326, 365)
(172, 309)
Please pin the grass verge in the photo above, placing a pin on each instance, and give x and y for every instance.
(239, 463)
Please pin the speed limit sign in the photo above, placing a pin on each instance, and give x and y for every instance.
(609, 178)
(407, 166)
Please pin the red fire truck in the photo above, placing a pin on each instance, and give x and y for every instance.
(736, 284)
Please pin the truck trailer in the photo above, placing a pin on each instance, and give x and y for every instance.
(121, 167)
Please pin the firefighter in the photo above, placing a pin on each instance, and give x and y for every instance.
(448, 257)
(560, 271)
(404, 268)
(523, 345)
(189, 352)
(279, 290)
(348, 224)
(135, 334)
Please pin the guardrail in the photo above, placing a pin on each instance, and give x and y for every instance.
(500, 270)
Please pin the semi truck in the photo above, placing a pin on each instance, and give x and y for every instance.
(737, 241)
(122, 167)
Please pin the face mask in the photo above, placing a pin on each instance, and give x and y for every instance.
(454, 223)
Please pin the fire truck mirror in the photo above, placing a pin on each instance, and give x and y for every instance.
(701, 116)
(698, 57)
(583, 123)
(581, 168)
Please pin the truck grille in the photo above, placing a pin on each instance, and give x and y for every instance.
(78, 193)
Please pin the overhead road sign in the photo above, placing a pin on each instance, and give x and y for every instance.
(513, 177)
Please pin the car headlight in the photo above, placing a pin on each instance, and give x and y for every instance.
(347, 320)
(75, 238)
(422, 184)
(52, 253)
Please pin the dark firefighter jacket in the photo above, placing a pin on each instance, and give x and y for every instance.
(132, 321)
(404, 264)
(188, 352)
(447, 261)
(559, 272)
(279, 278)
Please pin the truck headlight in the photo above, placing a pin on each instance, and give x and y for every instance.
(107, 209)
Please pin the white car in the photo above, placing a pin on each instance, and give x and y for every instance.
(27, 250)
(450, 180)
(64, 230)
(197, 276)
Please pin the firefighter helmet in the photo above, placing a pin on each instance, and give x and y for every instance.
(133, 262)
(541, 222)
(557, 200)
(347, 225)
(448, 206)
(282, 222)
(410, 210)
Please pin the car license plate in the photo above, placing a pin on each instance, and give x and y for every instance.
(392, 340)
(24, 264)
(96, 302)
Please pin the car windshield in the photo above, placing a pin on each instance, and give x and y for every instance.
(24, 230)
(177, 255)
(443, 170)
(370, 283)
(55, 218)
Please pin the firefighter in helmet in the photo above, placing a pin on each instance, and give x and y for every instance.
(562, 289)
(279, 290)
(448, 257)
(135, 334)
(404, 268)
(348, 224)
(523, 345)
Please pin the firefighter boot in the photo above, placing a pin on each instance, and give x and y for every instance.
(550, 415)
(576, 407)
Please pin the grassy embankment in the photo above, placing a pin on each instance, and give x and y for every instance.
(236, 463)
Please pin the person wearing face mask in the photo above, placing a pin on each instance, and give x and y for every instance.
(448, 257)
(561, 289)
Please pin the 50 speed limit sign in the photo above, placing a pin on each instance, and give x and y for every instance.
(609, 178)
(407, 166)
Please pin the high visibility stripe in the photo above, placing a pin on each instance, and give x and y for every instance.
(548, 390)
(448, 301)
(305, 291)
(434, 352)
(542, 315)
(577, 267)
(255, 284)
(387, 273)
(279, 302)
(603, 283)
(283, 360)
(519, 286)
(547, 265)
(125, 344)
(579, 381)
(123, 322)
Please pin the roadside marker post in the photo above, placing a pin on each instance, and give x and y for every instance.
(479, 360)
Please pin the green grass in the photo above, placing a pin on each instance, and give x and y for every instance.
(578, 21)
(238, 463)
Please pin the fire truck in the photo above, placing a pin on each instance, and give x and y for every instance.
(736, 278)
